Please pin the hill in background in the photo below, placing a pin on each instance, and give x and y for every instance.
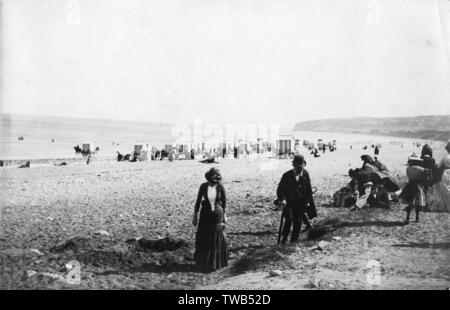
(435, 127)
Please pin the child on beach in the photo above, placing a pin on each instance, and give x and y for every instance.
(379, 197)
(361, 202)
(414, 192)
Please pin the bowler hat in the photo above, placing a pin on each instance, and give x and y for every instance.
(298, 159)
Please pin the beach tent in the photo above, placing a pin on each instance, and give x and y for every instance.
(141, 150)
(168, 147)
(138, 148)
(143, 156)
(285, 144)
(183, 150)
(87, 147)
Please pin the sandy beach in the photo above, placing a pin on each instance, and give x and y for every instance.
(105, 104)
(51, 215)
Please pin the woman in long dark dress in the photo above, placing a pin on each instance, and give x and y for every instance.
(211, 250)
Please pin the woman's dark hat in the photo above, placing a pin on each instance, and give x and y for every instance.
(298, 160)
(367, 158)
(426, 150)
(213, 174)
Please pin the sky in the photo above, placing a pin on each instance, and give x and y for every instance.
(225, 61)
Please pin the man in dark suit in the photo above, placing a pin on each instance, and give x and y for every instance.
(295, 195)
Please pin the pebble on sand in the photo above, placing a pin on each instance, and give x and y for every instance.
(119, 249)
(36, 251)
(313, 283)
(31, 273)
(322, 245)
(52, 276)
(280, 254)
(102, 232)
(275, 273)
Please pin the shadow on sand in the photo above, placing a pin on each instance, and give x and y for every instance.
(253, 233)
(369, 223)
(157, 268)
(425, 245)
(152, 268)
(243, 248)
(331, 225)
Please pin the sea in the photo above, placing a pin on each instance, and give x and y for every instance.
(55, 137)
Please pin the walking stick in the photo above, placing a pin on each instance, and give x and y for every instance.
(280, 231)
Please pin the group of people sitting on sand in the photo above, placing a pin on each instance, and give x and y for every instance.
(171, 154)
(157, 154)
(321, 147)
(127, 157)
(208, 154)
(369, 186)
(372, 185)
(25, 165)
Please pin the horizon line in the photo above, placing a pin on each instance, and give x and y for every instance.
(172, 123)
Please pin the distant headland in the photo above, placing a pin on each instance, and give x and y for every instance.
(430, 127)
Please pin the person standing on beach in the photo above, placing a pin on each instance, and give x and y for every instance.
(414, 191)
(438, 190)
(211, 249)
(295, 195)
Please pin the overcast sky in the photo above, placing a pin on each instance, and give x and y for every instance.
(241, 60)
